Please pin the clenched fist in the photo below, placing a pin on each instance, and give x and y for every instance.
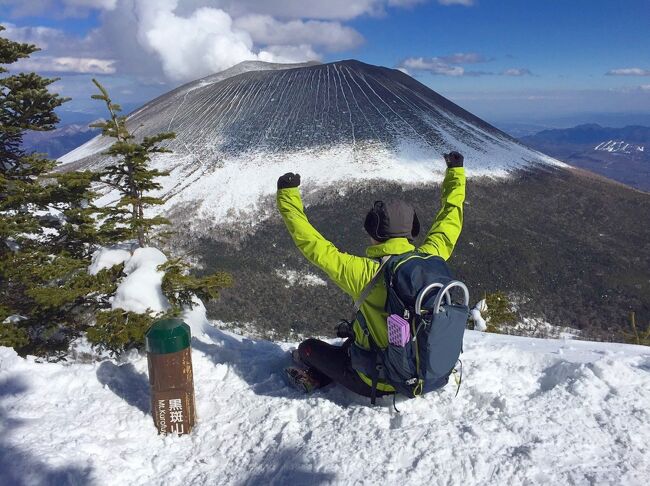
(289, 180)
(453, 159)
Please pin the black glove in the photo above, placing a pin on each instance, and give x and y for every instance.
(289, 180)
(344, 330)
(453, 159)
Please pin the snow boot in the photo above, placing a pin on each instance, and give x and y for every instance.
(301, 379)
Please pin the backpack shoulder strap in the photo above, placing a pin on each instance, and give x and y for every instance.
(368, 288)
(357, 306)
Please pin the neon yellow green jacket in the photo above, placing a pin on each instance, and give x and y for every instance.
(352, 273)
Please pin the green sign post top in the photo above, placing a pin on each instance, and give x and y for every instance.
(167, 336)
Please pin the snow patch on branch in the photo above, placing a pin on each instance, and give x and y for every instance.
(107, 258)
(476, 316)
(141, 290)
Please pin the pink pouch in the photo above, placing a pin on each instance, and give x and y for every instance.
(398, 330)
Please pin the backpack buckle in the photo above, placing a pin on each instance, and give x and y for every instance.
(417, 391)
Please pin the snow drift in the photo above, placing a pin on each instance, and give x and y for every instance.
(141, 289)
(530, 411)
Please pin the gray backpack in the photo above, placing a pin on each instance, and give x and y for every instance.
(425, 326)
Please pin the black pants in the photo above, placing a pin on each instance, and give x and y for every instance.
(332, 363)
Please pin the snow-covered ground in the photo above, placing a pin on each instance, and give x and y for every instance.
(294, 277)
(619, 146)
(245, 183)
(529, 411)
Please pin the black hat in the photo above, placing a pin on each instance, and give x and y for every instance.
(392, 219)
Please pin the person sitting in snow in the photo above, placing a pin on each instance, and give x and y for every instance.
(392, 226)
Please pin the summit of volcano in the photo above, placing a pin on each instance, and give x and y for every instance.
(339, 121)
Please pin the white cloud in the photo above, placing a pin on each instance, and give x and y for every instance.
(56, 48)
(628, 72)
(464, 58)
(312, 9)
(465, 3)
(434, 65)
(645, 87)
(282, 9)
(194, 46)
(288, 54)
(332, 36)
(517, 72)
(41, 36)
(56, 8)
(405, 3)
(181, 40)
(194, 43)
(446, 65)
(66, 65)
(97, 4)
(23, 8)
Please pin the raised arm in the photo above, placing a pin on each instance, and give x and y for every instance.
(351, 273)
(447, 226)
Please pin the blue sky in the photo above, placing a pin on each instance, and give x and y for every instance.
(503, 60)
(566, 43)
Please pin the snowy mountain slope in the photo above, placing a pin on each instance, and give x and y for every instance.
(358, 121)
(619, 146)
(530, 411)
(173, 101)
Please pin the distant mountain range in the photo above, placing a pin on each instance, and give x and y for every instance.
(622, 154)
(59, 141)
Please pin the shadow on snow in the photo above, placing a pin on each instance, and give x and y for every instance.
(126, 383)
(285, 466)
(19, 467)
(261, 364)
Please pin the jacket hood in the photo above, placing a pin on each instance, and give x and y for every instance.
(392, 219)
(392, 246)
